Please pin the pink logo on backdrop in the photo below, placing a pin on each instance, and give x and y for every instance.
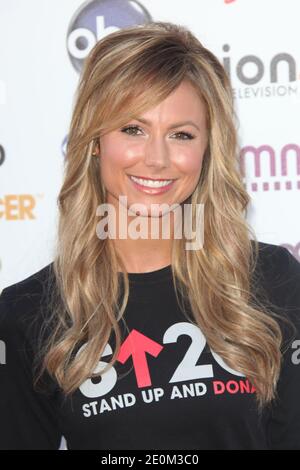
(281, 169)
(293, 249)
(229, 1)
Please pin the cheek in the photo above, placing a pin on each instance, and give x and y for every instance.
(190, 164)
(117, 154)
(113, 160)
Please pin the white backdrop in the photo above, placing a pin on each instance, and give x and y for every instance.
(43, 43)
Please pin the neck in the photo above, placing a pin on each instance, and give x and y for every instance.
(149, 253)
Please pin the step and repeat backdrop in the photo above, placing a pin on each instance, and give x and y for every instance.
(43, 44)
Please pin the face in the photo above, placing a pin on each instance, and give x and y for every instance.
(156, 158)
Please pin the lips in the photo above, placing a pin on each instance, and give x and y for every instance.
(153, 179)
(156, 186)
(150, 183)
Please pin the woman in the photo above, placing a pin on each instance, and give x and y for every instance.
(207, 358)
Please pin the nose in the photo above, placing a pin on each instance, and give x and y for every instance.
(157, 153)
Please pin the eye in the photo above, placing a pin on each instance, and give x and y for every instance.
(187, 135)
(130, 128)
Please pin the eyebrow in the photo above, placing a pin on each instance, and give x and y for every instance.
(172, 126)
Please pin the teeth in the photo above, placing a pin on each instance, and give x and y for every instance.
(151, 183)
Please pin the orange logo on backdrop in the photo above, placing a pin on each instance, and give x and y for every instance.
(17, 207)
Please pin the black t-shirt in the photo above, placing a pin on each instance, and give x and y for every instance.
(168, 390)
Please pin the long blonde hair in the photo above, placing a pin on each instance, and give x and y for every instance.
(125, 74)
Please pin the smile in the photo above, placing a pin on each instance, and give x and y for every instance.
(151, 183)
(151, 186)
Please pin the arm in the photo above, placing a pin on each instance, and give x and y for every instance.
(28, 418)
(284, 423)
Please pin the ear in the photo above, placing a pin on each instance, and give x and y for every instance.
(96, 148)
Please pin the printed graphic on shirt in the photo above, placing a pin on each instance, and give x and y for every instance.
(188, 379)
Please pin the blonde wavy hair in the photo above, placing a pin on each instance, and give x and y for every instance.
(125, 74)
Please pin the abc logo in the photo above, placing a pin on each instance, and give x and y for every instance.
(97, 19)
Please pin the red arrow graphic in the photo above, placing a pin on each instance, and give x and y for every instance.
(137, 345)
